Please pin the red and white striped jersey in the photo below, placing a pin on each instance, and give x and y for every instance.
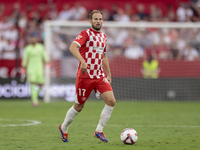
(92, 46)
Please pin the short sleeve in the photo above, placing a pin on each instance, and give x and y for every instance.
(81, 38)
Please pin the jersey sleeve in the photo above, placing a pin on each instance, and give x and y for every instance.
(81, 38)
(25, 57)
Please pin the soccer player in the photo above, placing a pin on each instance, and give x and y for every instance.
(89, 47)
(33, 66)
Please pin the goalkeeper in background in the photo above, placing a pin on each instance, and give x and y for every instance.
(33, 65)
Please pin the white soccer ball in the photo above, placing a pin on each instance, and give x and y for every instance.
(129, 136)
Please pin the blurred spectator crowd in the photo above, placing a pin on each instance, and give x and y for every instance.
(17, 25)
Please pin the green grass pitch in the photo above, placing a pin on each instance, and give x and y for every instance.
(160, 126)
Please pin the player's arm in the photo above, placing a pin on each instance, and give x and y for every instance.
(24, 65)
(74, 50)
(106, 67)
(25, 59)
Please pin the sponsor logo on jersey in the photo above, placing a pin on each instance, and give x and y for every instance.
(98, 49)
(79, 37)
(83, 98)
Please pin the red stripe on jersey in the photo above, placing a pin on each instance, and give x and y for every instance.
(94, 38)
(97, 55)
(102, 44)
(95, 67)
(99, 39)
(91, 43)
(89, 55)
(92, 61)
(99, 61)
(102, 57)
(98, 44)
(91, 72)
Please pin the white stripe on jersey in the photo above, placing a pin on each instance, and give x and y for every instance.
(102, 34)
(77, 43)
(93, 55)
(92, 67)
(96, 61)
(95, 43)
(88, 32)
(93, 33)
(89, 60)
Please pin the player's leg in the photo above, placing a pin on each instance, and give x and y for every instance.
(108, 96)
(71, 114)
(40, 88)
(31, 78)
(35, 93)
(35, 77)
(105, 114)
(107, 110)
(83, 90)
(34, 97)
(40, 81)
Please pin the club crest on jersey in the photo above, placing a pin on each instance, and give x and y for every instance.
(83, 98)
(79, 37)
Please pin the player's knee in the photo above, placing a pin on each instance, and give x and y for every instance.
(78, 107)
(111, 102)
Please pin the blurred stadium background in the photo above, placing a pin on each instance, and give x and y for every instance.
(177, 49)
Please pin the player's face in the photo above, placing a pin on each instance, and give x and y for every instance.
(33, 40)
(96, 21)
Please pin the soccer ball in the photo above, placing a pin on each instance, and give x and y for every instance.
(129, 136)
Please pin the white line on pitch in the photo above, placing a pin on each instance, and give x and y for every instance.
(31, 122)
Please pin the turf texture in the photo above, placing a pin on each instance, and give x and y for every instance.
(160, 125)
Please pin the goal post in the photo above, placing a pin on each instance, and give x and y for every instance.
(173, 83)
(47, 43)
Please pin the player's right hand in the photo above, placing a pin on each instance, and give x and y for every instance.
(84, 68)
(22, 74)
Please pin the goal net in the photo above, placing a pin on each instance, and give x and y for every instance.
(172, 74)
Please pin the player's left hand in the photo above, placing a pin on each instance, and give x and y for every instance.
(84, 68)
(109, 78)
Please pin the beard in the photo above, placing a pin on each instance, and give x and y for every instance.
(96, 28)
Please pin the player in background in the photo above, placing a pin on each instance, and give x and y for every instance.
(89, 47)
(33, 65)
